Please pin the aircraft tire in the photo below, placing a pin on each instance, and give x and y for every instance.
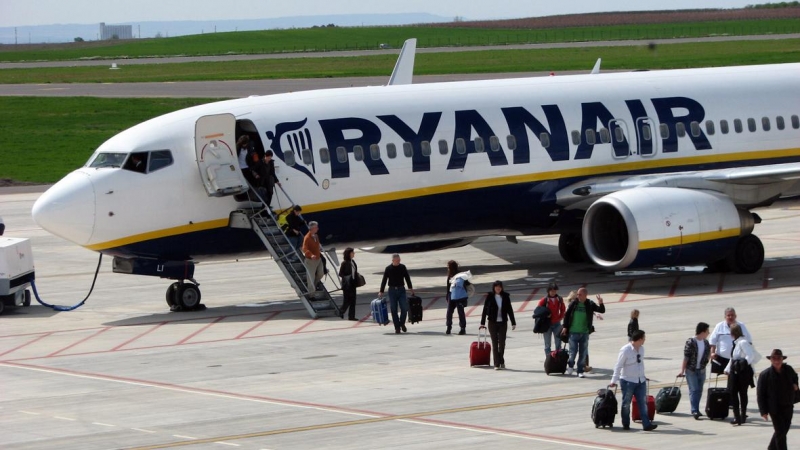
(172, 294)
(748, 257)
(570, 246)
(189, 296)
(27, 301)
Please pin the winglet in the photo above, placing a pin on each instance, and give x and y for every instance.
(596, 68)
(404, 68)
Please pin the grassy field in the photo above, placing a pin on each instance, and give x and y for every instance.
(332, 39)
(43, 139)
(634, 57)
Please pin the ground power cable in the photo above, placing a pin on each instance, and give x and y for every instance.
(76, 306)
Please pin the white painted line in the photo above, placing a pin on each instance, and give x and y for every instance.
(30, 413)
(65, 418)
(143, 431)
(227, 443)
(183, 437)
(103, 424)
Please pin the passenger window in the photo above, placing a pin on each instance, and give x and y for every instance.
(160, 159)
(358, 153)
(737, 125)
(426, 148)
(375, 151)
(494, 143)
(443, 147)
(751, 125)
(308, 158)
(647, 133)
(324, 155)
(619, 135)
(461, 146)
(137, 162)
(590, 137)
(723, 126)
(780, 123)
(680, 129)
(544, 138)
(710, 127)
(605, 136)
(511, 142)
(408, 149)
(695, 127)
(391, 151)
(576, 137)
(664, 130)
(341, 154)
(479, 145)
(795, 122)
(765, 123)
(288, 158)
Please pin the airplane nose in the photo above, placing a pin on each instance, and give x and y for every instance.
(67, 209)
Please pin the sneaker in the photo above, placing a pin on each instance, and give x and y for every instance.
(696, 415)
(581, 375)
(569, 371)
(651, 427)
(496, 367)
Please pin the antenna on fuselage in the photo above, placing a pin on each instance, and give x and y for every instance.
(596, 68)
(404, 67)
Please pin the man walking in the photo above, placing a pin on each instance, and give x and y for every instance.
(629, 371)
(776, 392)
(312, 250)
(578, 324)
(721, 342)
(395, 274)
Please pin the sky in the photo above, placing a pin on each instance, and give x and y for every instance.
(45, 12)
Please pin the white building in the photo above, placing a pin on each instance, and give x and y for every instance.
(120, 31)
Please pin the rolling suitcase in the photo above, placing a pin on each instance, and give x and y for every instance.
(414, 309)
(556, 362)
(718, 402)
(380, 314)
(668, 398)
(604, 408)
(480, 351)
(651, 407)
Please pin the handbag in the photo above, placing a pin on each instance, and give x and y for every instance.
(360, 281)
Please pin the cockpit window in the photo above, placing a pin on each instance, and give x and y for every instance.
(108, 160)
(160, 159)
(137, 162)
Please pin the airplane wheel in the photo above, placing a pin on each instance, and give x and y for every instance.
(172, 291)
(27, 301)
(570, 246)
(189, 296)
(749, 255)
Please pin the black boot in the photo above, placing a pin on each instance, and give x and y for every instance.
(737, 420)
(448, 330)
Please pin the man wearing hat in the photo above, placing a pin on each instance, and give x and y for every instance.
(555, 304)
(776, 392)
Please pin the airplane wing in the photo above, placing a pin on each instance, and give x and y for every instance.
(746, 186)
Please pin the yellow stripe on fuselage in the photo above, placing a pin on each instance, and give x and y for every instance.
(676, 241)
(589, 171)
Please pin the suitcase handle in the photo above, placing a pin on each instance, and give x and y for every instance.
(681, 377)
(483, 335)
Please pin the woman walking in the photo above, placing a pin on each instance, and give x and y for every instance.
(499, 311)
(456, 298)
(740, 373)
(348, 272)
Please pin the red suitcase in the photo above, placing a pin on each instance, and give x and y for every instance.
(480, 351)
(651, 407)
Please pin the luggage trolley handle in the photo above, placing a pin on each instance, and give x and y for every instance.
(483, 336)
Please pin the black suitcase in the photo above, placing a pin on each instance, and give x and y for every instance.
(556, 362)
(414, 309)
(604, 408)
(668, 398)
(718, 402)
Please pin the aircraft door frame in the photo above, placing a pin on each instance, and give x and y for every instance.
(616, 150)
(642, 149)
(217, 160)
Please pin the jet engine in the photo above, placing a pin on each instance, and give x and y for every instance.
(661, 226)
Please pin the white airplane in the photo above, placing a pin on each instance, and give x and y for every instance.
(638, 169)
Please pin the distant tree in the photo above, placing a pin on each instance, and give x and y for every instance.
(78, 39)
(774, 5)
(159, 35)
(458, 19)
(331, 25)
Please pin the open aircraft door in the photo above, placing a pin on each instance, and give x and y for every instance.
(215, 145)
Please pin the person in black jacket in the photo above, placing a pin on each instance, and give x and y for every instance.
(499, 311)
(348, 272)
(294, 227)
(776, 391)
(578, 325)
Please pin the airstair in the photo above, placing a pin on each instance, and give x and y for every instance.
(292, 262)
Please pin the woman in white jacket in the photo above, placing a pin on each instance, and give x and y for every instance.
(740, 373)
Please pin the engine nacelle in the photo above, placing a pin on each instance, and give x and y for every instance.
(416, 247)
(657, 226)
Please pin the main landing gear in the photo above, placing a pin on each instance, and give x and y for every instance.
(747, 257)
(183, 296)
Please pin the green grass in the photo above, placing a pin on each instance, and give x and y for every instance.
(493, 61)
(43, 139)
(334, 39)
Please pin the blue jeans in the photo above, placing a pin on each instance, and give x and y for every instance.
(695, 380)
(629, 390)
(553, 333)
(398, 295)
(578, 342)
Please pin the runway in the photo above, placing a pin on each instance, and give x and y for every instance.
(254, 372)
